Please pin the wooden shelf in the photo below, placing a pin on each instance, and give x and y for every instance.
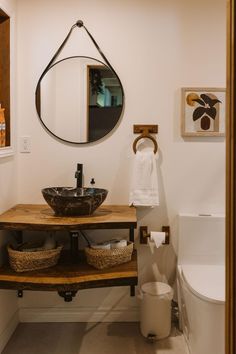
(72, 273)
(70, 277)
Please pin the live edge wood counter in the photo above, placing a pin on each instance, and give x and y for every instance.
(66, 275)
(42, 218)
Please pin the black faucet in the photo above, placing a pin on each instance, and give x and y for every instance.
(79, 175)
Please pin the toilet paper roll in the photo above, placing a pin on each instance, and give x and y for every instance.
(104, 246)
(119, 244)
(158, 238)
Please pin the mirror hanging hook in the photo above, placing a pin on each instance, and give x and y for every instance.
(79, 23)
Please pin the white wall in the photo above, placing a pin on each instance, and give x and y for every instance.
(8, 196)
(156, 47)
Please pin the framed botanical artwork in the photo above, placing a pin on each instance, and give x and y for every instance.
(203, 111)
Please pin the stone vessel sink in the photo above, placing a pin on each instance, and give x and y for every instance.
(68, 201)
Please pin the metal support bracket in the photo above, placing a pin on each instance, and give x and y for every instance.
(67, 295)
(132, 290)
(74, 245)
(20, 293)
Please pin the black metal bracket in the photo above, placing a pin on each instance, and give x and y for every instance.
(131, 234)
(20, 293)
(67, 295)
(132, 290)
(74, 245)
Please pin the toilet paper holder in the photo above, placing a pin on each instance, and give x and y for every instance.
(143, 234)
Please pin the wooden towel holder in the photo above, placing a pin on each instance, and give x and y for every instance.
(145, 131)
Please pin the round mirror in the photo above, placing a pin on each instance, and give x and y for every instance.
(79, 99)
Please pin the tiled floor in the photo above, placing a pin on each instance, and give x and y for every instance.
(89, 338)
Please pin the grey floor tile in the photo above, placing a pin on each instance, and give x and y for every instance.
(89, 338)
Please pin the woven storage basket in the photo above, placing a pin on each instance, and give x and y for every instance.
(106, 258)
(24, 261)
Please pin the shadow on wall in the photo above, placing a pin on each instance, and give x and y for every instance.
(155, 264)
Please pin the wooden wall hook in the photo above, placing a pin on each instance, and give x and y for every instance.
(145, 131)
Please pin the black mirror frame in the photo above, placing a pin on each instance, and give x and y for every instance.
(52, 62)
(38, 100)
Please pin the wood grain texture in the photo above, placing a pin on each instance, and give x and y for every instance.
(67, 276)
(41, 217)
(5, 69)
(230, 313)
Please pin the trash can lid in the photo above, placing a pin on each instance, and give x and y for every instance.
(156, 288)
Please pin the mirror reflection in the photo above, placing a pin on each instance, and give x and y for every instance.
(79, 99)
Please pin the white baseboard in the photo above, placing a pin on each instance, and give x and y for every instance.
(85, 314)
(8, 331)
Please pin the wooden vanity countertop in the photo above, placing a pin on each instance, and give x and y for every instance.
(41, 217)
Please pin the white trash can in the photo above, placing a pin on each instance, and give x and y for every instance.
(156, 310)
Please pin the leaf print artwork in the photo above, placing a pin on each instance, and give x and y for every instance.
(203, 112)
(206, 110)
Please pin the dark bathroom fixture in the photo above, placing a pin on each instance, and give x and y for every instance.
(143, 234)
(95, 93)
(67, 295)
(79, 175)
(92, 182)
(67, 201)
(145, 132)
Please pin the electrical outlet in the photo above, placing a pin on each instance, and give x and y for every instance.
(25, 144)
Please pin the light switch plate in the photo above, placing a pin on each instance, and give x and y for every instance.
(25, 144)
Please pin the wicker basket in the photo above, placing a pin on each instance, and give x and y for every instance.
(106, 258)
(25, 261)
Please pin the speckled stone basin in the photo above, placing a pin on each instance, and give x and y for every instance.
(68, 201)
